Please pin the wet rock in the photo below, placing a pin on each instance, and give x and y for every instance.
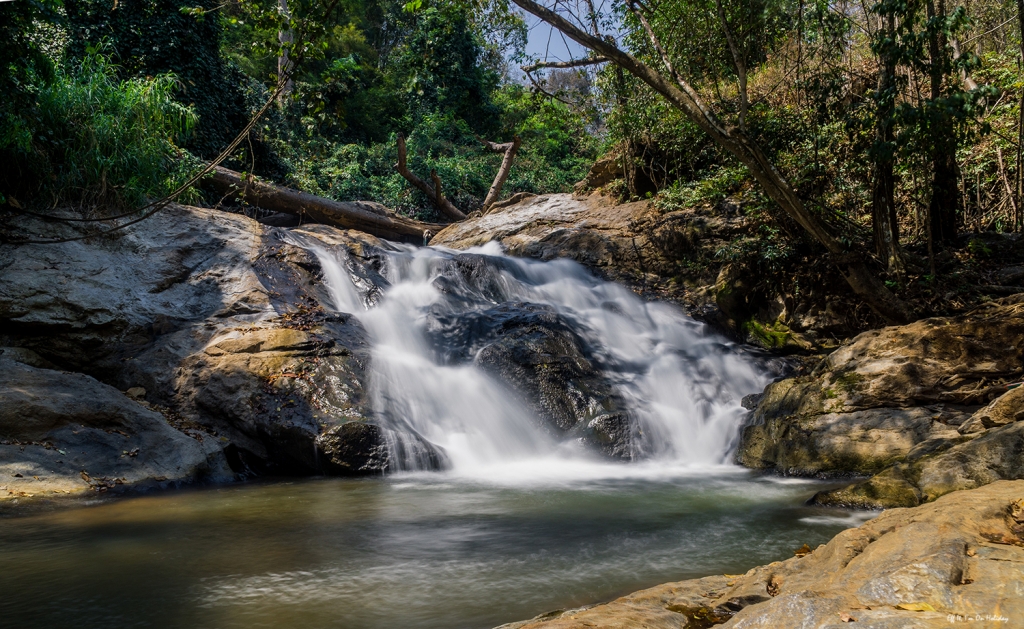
(224, 322)
(890, 394)
(360, 448)
(546, 364)
(959, 558)
(67, 434)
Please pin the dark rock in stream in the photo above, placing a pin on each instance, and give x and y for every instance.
(539, 356)
(363, 448)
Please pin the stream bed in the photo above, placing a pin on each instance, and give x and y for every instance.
(420, 550)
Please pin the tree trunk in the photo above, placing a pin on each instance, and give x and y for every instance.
(1020, 128)
(883, 180)
(433, 193)
(509, 149)
(945, 201)
(682, 96)
(369, 217)
(284, 65)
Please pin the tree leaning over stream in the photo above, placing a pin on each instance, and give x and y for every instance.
(670, 80)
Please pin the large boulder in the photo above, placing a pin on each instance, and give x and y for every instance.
(992, 449)
(959, 560)
(890, 394)
(530, 349)
(223, 322)
(68, 434)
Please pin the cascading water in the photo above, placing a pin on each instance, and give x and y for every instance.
(668, 390)
(536, 380)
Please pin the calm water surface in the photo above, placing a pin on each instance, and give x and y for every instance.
(417, 551)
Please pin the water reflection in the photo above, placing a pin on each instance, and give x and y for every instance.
(420, 551)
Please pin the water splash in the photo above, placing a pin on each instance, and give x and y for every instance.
(681, 384)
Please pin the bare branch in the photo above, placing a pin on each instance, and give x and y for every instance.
(541, 89)
(433, 193)
(575, 63)
(509, 149)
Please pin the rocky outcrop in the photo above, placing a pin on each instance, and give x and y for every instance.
(959, 560)
(212, 319)
(67, 434)
(667, 254)
(532, 351)
(891, 395)
(995, 451)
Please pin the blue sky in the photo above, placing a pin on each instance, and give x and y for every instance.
(545, 42)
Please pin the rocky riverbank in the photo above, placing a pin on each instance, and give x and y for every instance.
(958, 561)
(201, 346)
(929, 407)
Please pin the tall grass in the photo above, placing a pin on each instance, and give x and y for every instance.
(104, 144)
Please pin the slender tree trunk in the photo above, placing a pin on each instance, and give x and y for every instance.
(433, 193)
(284, 64)
(883, 180)
(509, 149)
(1020, 128)
(945, 201)
(680, 94)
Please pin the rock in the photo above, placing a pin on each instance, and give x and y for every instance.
(357, 448)
(1005, 409)
(25, 356)
(222, 321)
(995, 455)
(603, 172)
(670, 255)
(890, 394)
(1010, 275)
(830, 444)
(958, 558)
(532, 351)
(65, 433)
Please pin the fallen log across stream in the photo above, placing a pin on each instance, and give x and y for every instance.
(372, 218)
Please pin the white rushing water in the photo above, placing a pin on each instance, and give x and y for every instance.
(681, 383)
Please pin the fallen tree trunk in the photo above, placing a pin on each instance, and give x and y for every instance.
(372, 218)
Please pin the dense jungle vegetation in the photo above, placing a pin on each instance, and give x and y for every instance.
(882, 137)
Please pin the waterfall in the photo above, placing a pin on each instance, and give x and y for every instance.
(460, 358)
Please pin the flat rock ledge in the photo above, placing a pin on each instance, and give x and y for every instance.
(958, 561)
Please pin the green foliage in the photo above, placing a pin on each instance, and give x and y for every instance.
(555, 153)
(718, 183)
(97, 140)
(180, 37)
(23, 65)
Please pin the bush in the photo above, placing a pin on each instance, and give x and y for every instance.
(99, 141)
(555, 153)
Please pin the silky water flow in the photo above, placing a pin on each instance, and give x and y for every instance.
(680, 385)
(498, 504)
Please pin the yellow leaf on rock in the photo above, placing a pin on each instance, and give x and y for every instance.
(916, 607)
